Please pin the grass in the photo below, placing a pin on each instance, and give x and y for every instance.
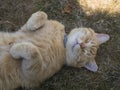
(109, 6)
(101, 15)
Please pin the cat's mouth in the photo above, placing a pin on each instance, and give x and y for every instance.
(82, 45)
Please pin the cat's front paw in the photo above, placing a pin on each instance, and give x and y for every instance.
(23, 50)
(15, 51)
(36, 21)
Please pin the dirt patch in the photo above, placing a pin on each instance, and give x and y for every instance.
(73, 13)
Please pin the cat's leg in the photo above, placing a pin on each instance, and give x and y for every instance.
(36, 21)
(30, 56)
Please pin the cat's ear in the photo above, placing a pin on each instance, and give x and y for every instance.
(92, 66)
(102, 37)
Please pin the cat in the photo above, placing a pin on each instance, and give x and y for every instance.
(41, 47)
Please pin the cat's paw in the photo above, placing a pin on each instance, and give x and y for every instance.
(23, 50)
(36, 21)
(15, 51)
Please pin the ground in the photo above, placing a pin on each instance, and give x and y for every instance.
(101, 15)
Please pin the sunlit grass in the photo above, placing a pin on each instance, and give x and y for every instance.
(109, 6)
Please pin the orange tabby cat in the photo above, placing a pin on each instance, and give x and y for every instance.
(36, 51)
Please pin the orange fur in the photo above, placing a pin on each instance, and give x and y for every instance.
(36, 52)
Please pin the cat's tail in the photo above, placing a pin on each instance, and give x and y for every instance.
(36, 21)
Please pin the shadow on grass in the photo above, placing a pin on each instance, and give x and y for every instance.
(71, 14)
(14, 13)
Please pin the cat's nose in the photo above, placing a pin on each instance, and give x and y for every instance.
(82, 45)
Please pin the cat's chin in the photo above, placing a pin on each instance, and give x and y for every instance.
(76, 47)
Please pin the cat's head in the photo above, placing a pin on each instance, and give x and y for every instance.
(81, 48)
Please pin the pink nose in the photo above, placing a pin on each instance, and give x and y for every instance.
(82, 45)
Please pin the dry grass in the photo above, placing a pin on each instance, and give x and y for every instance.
(92, 6)
(14, 13)
(101, 15)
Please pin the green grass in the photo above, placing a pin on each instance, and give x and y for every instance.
(75, 13)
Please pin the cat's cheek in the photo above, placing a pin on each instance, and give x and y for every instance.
(76, 48)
